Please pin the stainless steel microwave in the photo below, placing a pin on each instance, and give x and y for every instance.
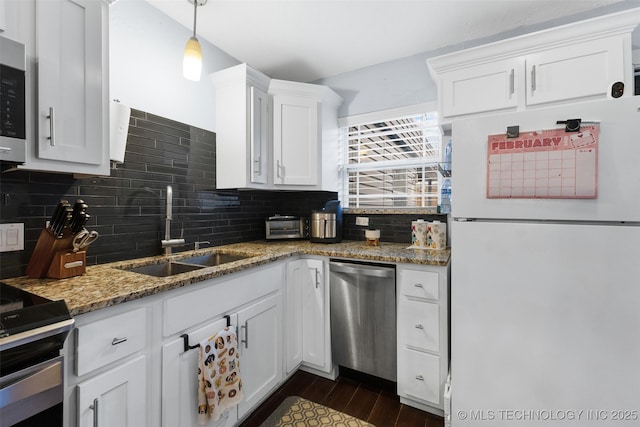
(12, 101)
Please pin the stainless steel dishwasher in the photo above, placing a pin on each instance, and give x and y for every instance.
(363, 317)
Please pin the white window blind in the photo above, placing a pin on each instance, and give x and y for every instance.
(392, 163)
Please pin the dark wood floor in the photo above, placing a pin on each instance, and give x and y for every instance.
(371, 401)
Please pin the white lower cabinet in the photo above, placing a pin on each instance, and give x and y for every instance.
(307, 330)
(260, 342)
(126, 365)
(179, 374)
(293, 316)
(420, 373)
(423, 335)
(315, 337)
(115, 398)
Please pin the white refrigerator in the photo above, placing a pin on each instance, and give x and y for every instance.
(545, 292)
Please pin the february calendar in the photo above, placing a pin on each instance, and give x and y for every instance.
(550, 163)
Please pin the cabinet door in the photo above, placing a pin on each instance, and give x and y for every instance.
(576, 71)
(258, 135)
(72, 95)
(180, 380)
(260, 344)
(295, 140)
(293, 315)
(485, 87)
(115, 398)
(314, 342)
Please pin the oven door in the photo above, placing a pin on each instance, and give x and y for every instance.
(33, 396)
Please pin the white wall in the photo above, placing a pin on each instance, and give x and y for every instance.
(146, 50)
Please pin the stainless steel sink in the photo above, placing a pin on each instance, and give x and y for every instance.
(165, 269)
(169, 268)
(212, 260)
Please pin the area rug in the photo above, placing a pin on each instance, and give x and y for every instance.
(295, 411)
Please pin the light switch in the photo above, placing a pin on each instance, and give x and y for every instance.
(11, 237)
(362, 220)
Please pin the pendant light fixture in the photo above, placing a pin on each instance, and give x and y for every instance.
(192, 61)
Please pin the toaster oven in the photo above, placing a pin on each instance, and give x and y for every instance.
(286, 227)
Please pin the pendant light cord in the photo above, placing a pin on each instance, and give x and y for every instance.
(195, 16)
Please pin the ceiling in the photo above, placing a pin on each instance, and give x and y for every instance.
(305, 40)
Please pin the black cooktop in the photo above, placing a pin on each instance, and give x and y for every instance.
(22, 311)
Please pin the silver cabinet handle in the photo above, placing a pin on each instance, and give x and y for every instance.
(419, 326)
(533, 78)
(512, 81)
(419, 377)
(95, 412)
(317, 281)
(257, 166)
(246, 334)
(418, 285)
(52, 128)
(5, 149)
(278, 169)
(117, 341)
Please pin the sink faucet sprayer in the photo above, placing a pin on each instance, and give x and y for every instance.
(168, 242)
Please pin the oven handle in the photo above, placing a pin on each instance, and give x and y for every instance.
(31, 381)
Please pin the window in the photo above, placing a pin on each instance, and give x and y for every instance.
(391, 163)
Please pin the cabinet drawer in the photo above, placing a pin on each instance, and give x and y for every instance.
(418, 325)
(104, 341)
(216, 297)
(419, 376)
(419, 284)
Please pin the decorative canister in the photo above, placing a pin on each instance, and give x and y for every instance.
(428, 235)
(419, 233)
(436, 235)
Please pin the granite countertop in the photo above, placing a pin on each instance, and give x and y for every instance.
(109, 284)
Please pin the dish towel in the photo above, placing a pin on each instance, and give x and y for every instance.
(219, 383)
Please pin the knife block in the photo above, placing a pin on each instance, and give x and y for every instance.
(45, 251)
(67, 264)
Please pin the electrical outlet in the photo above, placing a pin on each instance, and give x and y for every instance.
(11, 237)
(362, 220)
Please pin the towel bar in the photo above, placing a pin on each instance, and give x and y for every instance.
(185, 337)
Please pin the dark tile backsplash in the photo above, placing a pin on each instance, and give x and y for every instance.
(128, 207)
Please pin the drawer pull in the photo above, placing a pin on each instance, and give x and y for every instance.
(418, 285)
(117, 341)
(419, 377)
(419, 326)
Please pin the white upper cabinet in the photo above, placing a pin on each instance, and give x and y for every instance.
(242, 127)
(72, 122)
(573, 62)
(295, 140)
(305, 135)
(274, 134)
(579, 70)
(484, 87)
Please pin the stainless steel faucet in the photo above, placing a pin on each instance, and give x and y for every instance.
(198, 245)
(168, 242)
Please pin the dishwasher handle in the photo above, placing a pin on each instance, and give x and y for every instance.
(362, 269)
